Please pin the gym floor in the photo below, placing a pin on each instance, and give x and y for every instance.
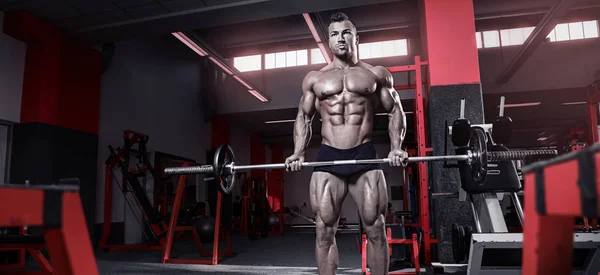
(292, 253)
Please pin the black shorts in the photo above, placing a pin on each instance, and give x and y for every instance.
(363, 151)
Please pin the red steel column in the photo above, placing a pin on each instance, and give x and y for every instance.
(257, 155)
(275, 184)
(448, 41)
(449, 46)
(220, 131)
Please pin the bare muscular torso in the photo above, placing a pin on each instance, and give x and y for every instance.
(346, 104)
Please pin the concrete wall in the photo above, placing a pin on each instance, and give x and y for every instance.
(154, 87)
(12, 67)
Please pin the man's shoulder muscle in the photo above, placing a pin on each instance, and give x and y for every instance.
(309, 80)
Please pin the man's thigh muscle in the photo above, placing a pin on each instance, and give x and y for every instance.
(369, 191)
(327, 193)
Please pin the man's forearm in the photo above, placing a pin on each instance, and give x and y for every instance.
(397, 127)
(302, 133)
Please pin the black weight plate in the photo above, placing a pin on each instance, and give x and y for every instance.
(223, 157)
(478, 147)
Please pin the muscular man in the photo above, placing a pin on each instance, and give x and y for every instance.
(346, 94)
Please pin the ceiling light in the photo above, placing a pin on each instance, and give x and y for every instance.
(574, 103)
(243, 82)
(528, 104)
(188, 42)
(542, 139)
(258, 95)
(280, 121)
(225, 69)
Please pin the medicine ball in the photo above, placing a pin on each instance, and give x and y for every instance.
(205, 226)
(274, 219)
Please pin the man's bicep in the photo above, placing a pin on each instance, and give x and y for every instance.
(389, 98)
(307, 103)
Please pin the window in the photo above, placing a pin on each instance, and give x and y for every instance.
(491, 39)
(517, 36)
(286, 59)
(248, 63)
(383, 49)
(316, 57)
(590, 29)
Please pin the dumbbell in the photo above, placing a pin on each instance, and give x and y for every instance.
(502, 126)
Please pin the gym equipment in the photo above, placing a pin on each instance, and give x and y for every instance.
(134, 193)
(67, 239)
(476, 156)
(205, 226)
(502, 126)
(550, 244)
(462, 128)
(255, 209)
(296, 211)
(414, 242)
(274, 219)
(489, 248)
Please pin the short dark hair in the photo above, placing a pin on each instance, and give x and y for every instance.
(339, 17)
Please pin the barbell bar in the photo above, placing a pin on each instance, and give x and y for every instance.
(206, 169)
(492, 156)
(224, 167)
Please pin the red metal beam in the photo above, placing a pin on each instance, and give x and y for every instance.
(320, 42)
(539, 34)
(395, 69)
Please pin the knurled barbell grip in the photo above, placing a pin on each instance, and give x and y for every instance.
(519, 154)
(190, 170)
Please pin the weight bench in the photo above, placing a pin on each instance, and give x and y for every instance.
(57, 209)
(30, 243)
(491, 248)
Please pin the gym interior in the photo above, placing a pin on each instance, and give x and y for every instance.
(128, 131)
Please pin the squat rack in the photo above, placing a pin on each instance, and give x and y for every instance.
(421, 88)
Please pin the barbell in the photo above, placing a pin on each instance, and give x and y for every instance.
(476, 156)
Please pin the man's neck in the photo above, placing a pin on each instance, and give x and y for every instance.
(343, 63)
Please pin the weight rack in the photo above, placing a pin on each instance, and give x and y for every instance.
(421, 87)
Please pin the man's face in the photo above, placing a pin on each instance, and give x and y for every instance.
(343, 39)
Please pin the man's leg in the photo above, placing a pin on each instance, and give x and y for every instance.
(327, 192)
(369, 192)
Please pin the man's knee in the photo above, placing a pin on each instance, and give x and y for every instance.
(375, 229)
(325, 233)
